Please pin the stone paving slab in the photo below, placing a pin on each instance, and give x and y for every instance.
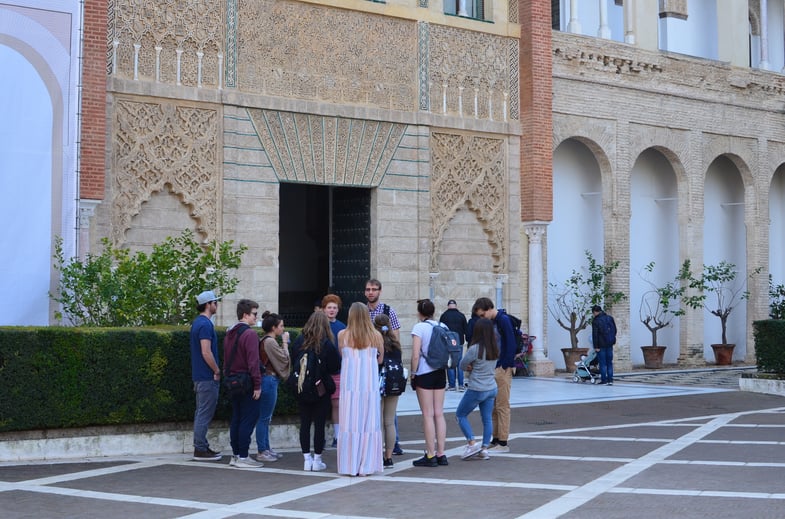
(651, 457)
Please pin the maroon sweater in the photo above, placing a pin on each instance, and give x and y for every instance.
(246, 360)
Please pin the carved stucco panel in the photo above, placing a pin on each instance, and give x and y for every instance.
(159, 146)
(299, 50)
(479, 63)
(193, 26)
(327, 150)
(470, 170)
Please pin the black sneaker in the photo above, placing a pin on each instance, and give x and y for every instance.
(397, 450)
(442, 460)
(388, 463)
(425, 461)
(206, 455)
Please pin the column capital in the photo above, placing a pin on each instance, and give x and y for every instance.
(86, 211)
(535, 230)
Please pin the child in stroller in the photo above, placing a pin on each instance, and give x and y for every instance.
(587, 368)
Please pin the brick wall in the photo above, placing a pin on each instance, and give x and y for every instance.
(536, 120)
(93, 136)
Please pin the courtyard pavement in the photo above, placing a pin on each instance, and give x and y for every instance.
(684, 444)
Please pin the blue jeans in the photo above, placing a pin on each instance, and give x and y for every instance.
(206, 400)
(245, 413)
(470, 400)
(451, 372)
(266, 407)
(605, 356)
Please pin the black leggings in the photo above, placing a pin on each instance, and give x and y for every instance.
(315, 414)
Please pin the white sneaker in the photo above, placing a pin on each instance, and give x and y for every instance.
(318, 465)
(266, 456)
(483, 454)
(471, 450)
(233, 461)
(247, 463)
(276, 454)
(308, 462)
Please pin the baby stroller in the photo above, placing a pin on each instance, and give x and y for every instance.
(522, 356)
(587, 368)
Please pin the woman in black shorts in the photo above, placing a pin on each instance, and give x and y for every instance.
(430, 385)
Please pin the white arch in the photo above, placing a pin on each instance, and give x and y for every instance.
(654, 236)
(46, 34)
(725, 239)
(577, 226)
(777, 226)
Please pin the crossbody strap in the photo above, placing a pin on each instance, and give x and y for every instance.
(228, 364)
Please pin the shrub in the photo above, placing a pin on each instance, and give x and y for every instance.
(116, 288)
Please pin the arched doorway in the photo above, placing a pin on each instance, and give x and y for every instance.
(725, 239)
(654, 237)
(577, 227)
(26, 175)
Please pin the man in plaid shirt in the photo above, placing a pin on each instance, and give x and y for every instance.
(373, 289)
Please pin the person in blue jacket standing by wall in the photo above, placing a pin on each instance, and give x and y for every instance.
(484, 308)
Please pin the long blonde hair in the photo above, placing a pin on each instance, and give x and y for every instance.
(359, 328)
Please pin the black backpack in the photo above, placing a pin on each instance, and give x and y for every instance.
(306, 380)
(520, 343)
(442, 340)
(392, 377)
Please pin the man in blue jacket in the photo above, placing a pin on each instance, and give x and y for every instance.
(506, 337)
(603, 336)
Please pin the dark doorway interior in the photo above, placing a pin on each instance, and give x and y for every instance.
(325, 245)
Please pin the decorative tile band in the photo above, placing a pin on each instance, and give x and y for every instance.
(423, 42)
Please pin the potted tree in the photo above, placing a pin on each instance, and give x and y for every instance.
(571, 301)
(726, 291)
(659, 306)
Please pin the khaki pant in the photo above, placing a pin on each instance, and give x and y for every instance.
(501, 408)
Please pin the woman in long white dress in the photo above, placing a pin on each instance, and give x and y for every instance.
(360, 435)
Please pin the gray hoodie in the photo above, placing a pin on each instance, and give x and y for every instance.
(482, 376)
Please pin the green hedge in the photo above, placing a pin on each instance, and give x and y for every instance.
(57, 377)
(770, 345)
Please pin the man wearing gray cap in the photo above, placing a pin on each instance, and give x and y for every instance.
(205, 373)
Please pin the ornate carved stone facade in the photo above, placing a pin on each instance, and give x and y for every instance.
(297, 50)
(470, 170)
(472, 74)
(158, 146)
(327, 150)
(214, 104)
(178, 42)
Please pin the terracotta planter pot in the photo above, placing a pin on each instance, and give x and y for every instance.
(723, 354)
(652, 356)
(571, 356)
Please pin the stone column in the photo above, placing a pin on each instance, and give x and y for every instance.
(604, 31)
(764, 35)
(574, 26)
(629, 22)
(539, 364)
